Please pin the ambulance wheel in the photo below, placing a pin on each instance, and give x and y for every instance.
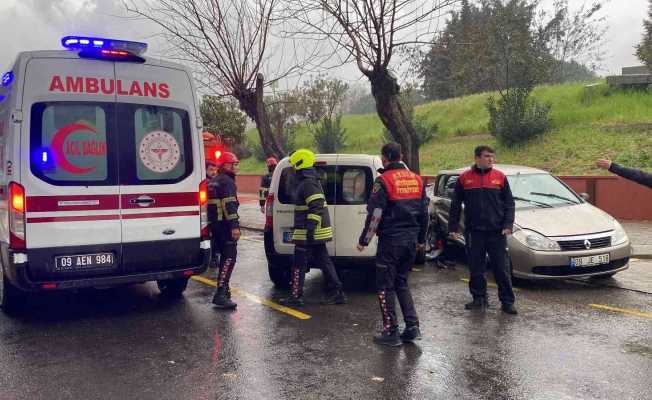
(9, 294)
(172, 287)
(280, 276)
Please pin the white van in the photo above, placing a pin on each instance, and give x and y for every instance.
(102, 171)
(347, 180)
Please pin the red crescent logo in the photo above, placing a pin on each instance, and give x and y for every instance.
(57, 148)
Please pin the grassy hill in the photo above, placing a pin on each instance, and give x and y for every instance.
(586, 124)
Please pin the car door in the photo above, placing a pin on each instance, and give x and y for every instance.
(443, 199)
(69, 170)
(354, 184)
(159, 170)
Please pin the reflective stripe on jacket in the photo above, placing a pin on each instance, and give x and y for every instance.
(312, 223)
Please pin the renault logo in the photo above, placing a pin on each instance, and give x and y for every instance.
(587, 244)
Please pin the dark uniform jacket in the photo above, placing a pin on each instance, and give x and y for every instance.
(223, 202)
(633, 174)
(398, 207)
(312, 223)
(265, 183)
(488, 201)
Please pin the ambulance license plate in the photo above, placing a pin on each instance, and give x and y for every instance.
(590, 261)
(84, 261)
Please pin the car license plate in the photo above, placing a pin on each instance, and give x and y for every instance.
(287, 237)
(83, 261)
(589, 261)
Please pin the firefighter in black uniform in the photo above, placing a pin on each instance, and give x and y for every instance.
(488, 220)
(226, 227)
(265, 182)
(211, 171)
(312, 229)
(397, 212)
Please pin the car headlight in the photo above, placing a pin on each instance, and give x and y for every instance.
(535, 241)
(619, 236)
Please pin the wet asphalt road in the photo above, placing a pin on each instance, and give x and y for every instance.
(128, 343)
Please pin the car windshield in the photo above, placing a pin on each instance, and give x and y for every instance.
(540, 190)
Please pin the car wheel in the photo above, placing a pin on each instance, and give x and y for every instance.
(9, 294)
(279, 275)
(172, 288)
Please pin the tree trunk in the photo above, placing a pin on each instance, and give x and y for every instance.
(385, 90)
(252, 103)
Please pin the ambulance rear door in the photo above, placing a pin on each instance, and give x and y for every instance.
(68, 156)
(160, 169)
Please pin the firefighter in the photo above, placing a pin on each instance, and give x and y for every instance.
(211, 171)
(312, 229)
(397, 212)
(265, 182)
(488, 220)
(226, 227)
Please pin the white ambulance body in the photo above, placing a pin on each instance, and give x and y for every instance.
(101, 171)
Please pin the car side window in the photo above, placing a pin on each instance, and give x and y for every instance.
(450, 186)
(441, 186)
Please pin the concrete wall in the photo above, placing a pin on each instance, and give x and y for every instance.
(619, 197)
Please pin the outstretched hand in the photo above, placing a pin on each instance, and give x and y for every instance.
(603, 163)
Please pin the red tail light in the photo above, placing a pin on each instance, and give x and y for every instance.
(203, 208)
(269, 213)
(17, 209)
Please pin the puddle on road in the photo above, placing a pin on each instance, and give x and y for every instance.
(638, 349)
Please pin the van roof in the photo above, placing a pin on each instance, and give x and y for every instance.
(73, 55)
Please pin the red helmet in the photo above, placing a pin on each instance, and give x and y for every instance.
(271, 162)
(227, 158)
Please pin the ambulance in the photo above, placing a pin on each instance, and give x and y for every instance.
(101, 171)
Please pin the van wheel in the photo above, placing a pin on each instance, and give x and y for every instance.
(279, 276)
(172, 288)
(9, 294)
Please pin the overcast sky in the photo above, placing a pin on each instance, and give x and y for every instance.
(39, 24)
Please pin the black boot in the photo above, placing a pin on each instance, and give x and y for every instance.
(221, 300)
(292, 301)
(509, 309)
(478, 303)
(296, 293)
(411, 334)
(336, 297)
(388, 337)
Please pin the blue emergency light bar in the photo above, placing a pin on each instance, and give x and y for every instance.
(110, 45)
(7, 78)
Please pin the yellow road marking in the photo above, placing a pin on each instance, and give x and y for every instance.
(623, 311)
(256, 299)
(491, 284)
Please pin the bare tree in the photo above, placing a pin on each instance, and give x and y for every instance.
(230, 44)
(370, 32)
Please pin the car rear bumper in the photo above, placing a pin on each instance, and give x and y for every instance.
(20, 272)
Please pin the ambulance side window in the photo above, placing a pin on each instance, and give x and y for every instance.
(155, 144)
(71, 143)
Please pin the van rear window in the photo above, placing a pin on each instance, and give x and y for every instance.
(343, 185)
(155, 144)
(72, 143)
(93, 144)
